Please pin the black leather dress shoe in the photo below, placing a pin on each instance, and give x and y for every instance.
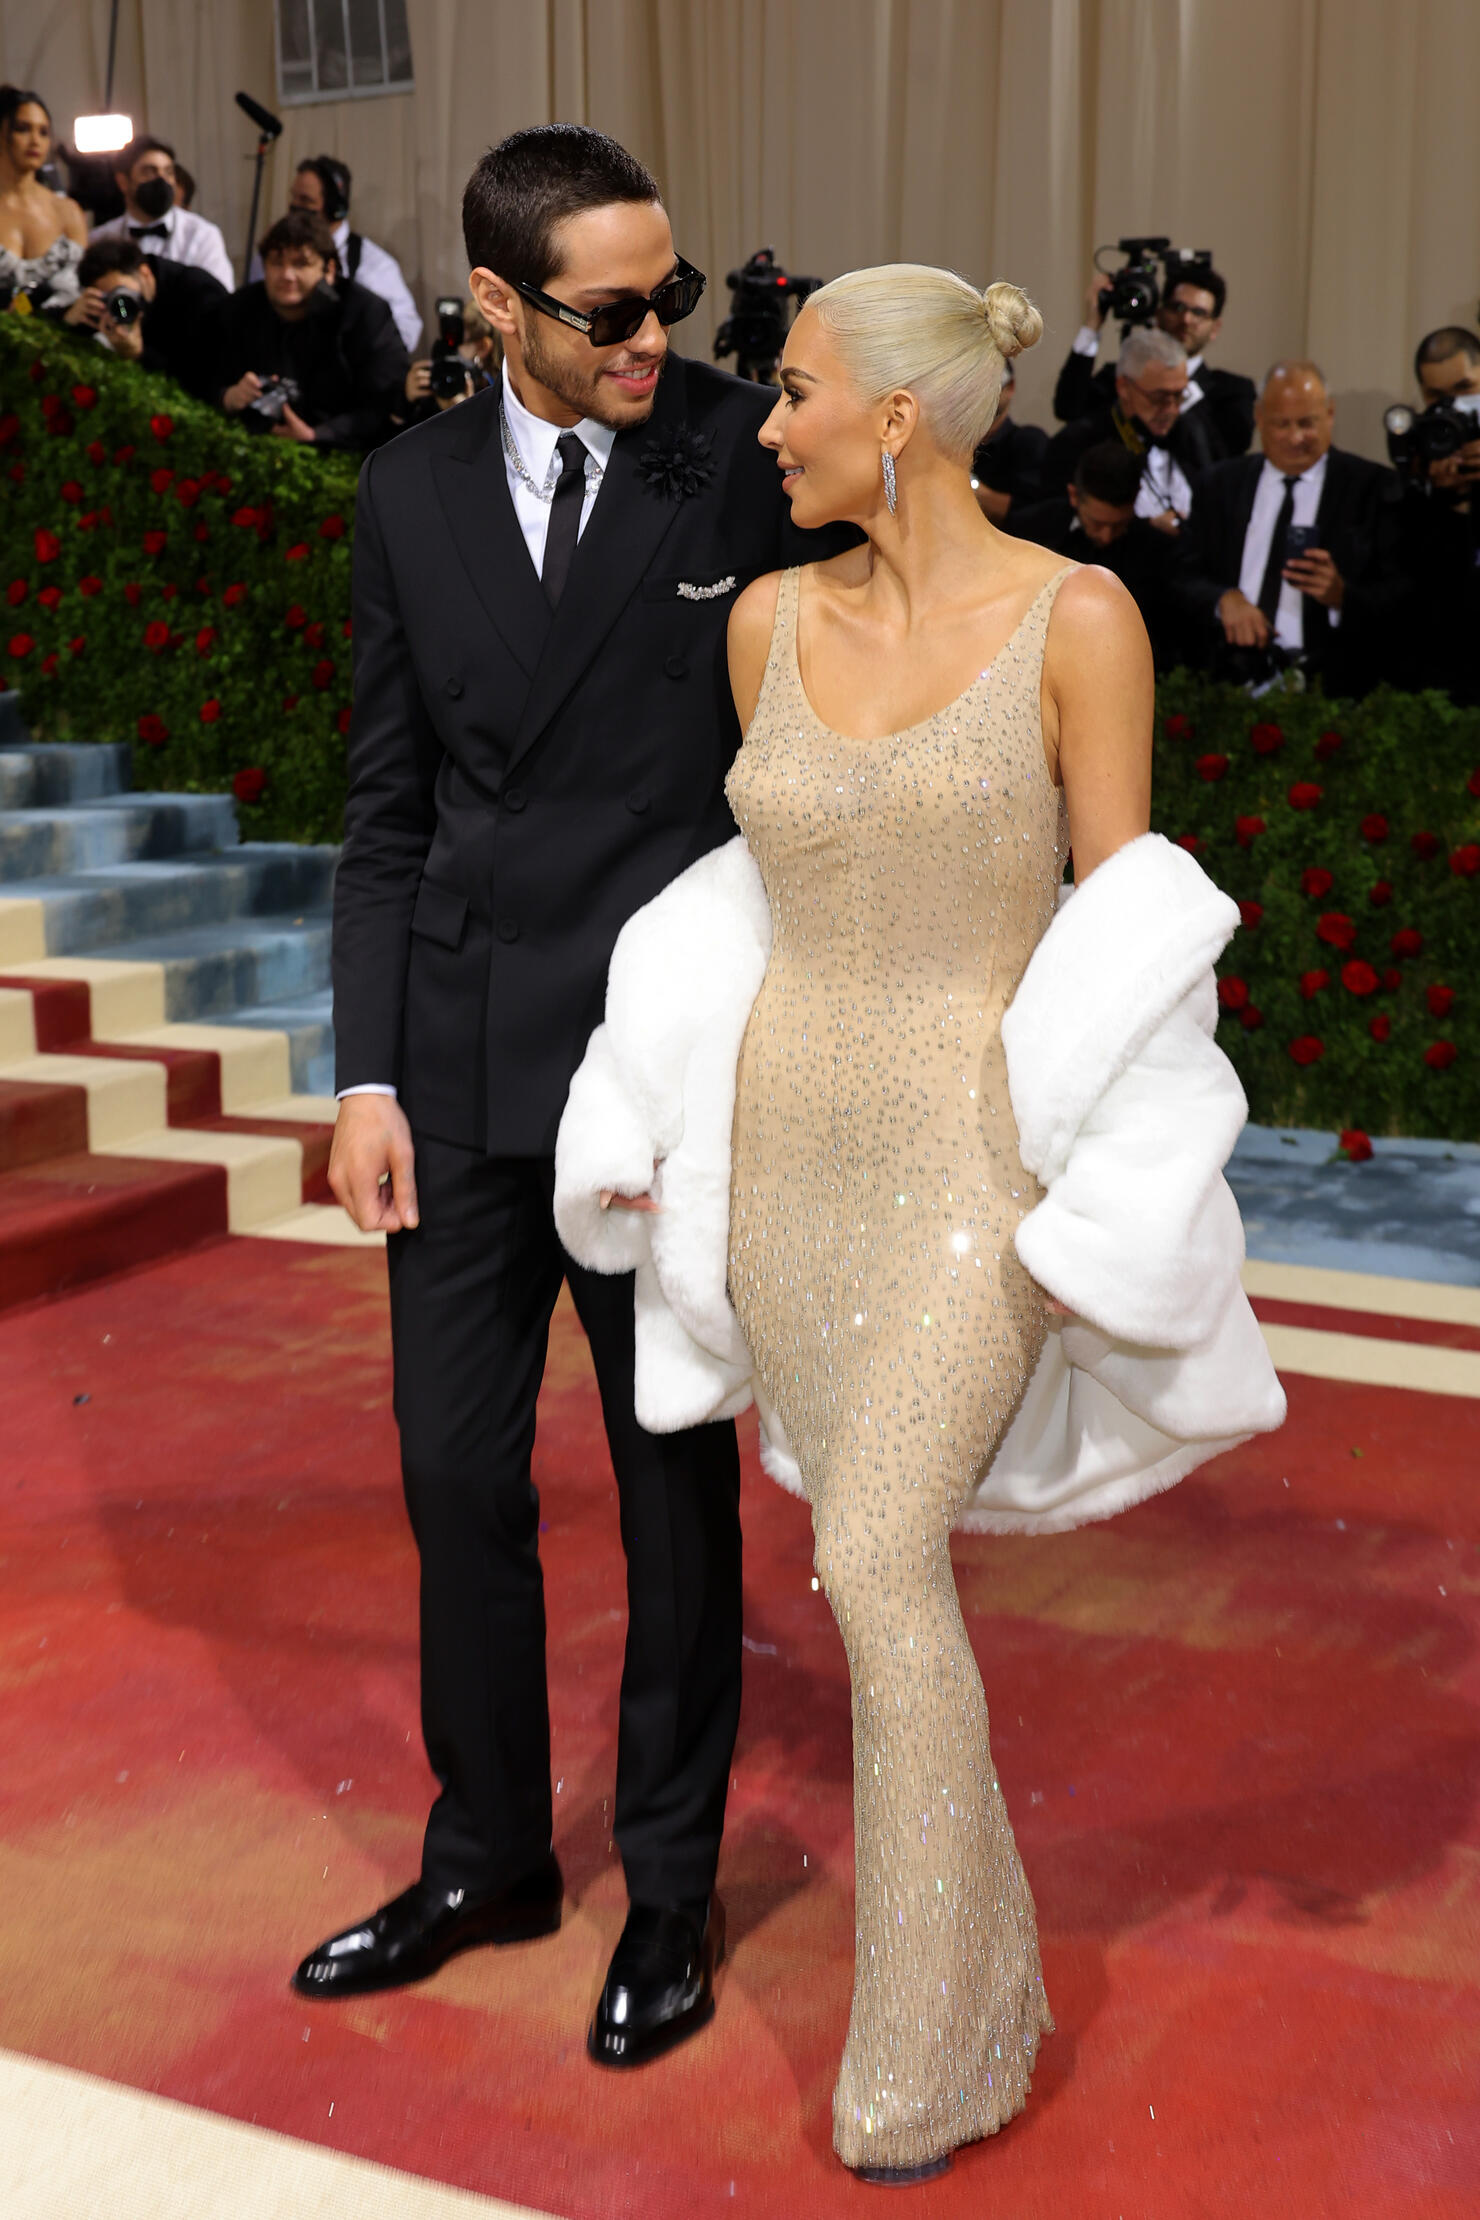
(659, 1986)
(421, 1929)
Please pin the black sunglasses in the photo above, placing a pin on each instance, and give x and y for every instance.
(615, 321)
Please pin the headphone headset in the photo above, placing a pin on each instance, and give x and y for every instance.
(333, 176)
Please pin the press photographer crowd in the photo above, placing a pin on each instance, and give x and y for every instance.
(1247, 560)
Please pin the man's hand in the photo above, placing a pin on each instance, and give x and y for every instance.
(1100, 289)
(418, 380)
(1168, 521)
(241, 395)
(1244, 623)
(372, 1168)
(126, 341)
(1315, 574)
(87, 311)
(292, 426)
(1457, 472)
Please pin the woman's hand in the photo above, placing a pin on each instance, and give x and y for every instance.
(246, 390)
(1055, 1308)
(611, 1200)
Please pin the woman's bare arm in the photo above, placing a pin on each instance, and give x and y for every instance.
(752, 621)
(1100, 686)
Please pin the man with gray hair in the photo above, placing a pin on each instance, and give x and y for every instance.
(1291, 556)
(1148, 419)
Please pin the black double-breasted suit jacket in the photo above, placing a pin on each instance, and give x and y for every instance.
(521, 779)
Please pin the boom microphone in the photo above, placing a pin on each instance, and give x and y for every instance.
(267, 123)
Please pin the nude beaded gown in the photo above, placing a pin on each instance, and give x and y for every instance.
(875, 1191)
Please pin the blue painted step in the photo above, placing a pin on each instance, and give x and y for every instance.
(116, 828)
(88, 912)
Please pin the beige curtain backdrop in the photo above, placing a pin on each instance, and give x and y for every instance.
(1325, 150)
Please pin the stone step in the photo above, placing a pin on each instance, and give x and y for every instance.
(58, 840)
(308, 1023)
(75, 912)
(230, 971)
(38, 776)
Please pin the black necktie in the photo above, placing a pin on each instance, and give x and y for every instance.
(1274, 569)
(148, 231)
(565, 516)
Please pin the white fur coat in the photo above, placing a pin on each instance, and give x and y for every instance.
(1126, 1110)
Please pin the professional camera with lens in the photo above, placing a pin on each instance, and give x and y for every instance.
(1418, 437)
(278, 393)
(762, 298)
(451, 376)
(1152, 269)
(123, 305)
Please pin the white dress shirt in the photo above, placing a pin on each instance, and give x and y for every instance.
(379, 272)
(1269, 497)
(536, 440)
(188, 238)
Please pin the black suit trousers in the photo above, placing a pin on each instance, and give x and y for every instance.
(472, 1293)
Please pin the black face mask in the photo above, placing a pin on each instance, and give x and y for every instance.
(156, 197)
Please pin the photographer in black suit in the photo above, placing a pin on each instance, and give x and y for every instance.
(148, 310)
(1007, 468)
(1191, 312)
(1293, 556)
(1147, 419)
(1442, 516)
(1096, 522)
(542, 729)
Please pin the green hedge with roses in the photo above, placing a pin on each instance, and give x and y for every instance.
(173, 580)
(178, 582)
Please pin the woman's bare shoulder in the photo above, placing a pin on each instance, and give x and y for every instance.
(1093, 614)
(748, 640)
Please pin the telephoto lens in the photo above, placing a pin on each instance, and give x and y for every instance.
(123, 305)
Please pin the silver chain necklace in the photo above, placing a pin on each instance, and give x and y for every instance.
(521, 469)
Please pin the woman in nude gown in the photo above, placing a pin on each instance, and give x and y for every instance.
(921, 743)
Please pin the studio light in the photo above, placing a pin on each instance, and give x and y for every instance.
(101, 134)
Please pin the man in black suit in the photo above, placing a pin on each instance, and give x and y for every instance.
(1191, 312)
(1174, 447)
(1096, 522)
(166, 328)
(542, 729)
(340, 347)
(1007, 468)
(1293, 556)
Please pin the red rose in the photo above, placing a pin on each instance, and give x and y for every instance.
(290, 703)
(295, 615)
(1358, 977)
(1233, 994)
(50, 597)
(49, 665)
(1251, 916)
(1465, 862)
(297, 553)
(16, 592)
(1380, 1028)
(83, 396)
(1374, 828)
(161, 426)
(1439, 1055)
(48, 546)
(313, 635)
(89, 586)
(233, 595)
(1304, 794)
(342, 720)
(96, 452)
(202, 533)
(1315, 882)
(153, 731)
(1177, 726)
(322, 673)
(17, 472)
(37, 371)
(155, 543)
(348, 628)
(1246, 830)
(122, 455)
(1209, 767)
(159, 480)
(1380, 894)
(1440, 1000)
(61, 425)
(75, 647)
(205, 639)
(169, 592)
(332, 528)
(209, 712)
(1266, 739)
(1328, 745)
(223, 484)
(1307, 1049)
(248, 785)
(9, 429)
(21, 645)
(1311, 982)
(1425, 845)
(187, 492)
(1407, 942)
(71, 491)
(1472, 783)
(1190, 842)
(156, 636)
(246, 518)
(1392, 978)
(1355, 1145)
(131, 595)
(1251, 1019)
(1336, 929)
(203, 585)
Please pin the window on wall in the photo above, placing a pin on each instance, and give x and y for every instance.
(341, 49)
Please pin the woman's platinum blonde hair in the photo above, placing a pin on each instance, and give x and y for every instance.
(905, 326)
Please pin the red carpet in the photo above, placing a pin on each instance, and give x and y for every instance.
(1239, 1731)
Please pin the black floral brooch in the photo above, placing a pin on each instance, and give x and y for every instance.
(679, 466)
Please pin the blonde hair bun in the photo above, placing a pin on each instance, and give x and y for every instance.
(1012, 320)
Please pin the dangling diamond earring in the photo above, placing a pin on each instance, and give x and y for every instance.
(889, 493)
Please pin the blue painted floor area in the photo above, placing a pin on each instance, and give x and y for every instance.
(1412, 1212)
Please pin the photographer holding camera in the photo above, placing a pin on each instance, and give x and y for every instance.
(295, 357)
(465, 357)
(1148, 419)
(1437, 453)
(1185, 300)
(322, 185)
(148, 310)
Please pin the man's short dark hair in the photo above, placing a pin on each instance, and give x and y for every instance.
(335, 181)
(1206, 281)
(1438, 346)
(105, 256)
(301, 227)
(184, 183)
(137, 149)
(1109, 473)
(532, 182)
